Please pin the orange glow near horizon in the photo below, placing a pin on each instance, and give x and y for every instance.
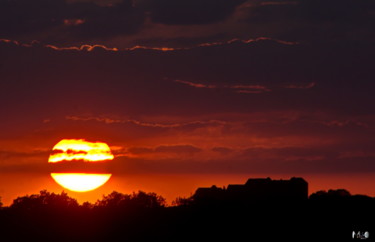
(80, 182)
(80, 149)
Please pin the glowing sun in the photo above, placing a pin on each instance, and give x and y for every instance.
(72, 150)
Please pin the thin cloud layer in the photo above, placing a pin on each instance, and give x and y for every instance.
(173, 24)
(186, 12)
(190, 86)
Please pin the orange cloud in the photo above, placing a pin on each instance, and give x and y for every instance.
(140, 123)
(251, 88)
(197, 85)
(244, 88)
(249, 41)
(81, 48)
(15, 42)
(137, 47)
(91, 47)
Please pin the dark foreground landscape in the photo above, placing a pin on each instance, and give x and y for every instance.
(260, 210)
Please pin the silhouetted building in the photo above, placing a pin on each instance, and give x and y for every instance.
(260, 189)
(209, 194)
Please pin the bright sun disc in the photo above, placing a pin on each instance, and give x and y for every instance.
(80, 182)
(78, 150)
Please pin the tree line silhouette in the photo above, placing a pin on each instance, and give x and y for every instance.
(141, 216)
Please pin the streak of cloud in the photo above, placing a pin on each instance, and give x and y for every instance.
(140, 123)
(88, 47)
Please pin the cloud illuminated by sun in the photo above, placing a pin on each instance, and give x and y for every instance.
(80, 149)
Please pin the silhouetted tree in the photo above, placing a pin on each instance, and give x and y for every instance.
(136, 200)
(132, 217)
(331, 194)
(183, 201)
(147, 200)
(44, 199)
(1, 204)
(114, 199)
(87, 205)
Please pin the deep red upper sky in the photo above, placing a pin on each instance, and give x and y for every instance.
(190, 86)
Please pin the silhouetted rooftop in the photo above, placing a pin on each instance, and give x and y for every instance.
(256, 189)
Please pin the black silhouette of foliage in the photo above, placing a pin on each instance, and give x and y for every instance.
(44, 199)
(183, 201)
(136, 200)
(326, 215)
(87, 205)
(114, 199)
(339, 193)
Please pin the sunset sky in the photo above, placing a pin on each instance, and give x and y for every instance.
(189, 93)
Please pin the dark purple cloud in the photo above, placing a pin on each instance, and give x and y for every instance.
(274, 86)
(58, 20)
(189, 11)
(187, 149)
(314, 20)
(158, 23)
(133, 81)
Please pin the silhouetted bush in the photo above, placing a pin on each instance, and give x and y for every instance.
(140, 216)
(135, 200)
(44, 199)
(183, 201)
(331, 194)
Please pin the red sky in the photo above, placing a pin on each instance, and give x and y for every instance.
(189, 93)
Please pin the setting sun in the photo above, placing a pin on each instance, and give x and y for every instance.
(80, 182)
(78, 150)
